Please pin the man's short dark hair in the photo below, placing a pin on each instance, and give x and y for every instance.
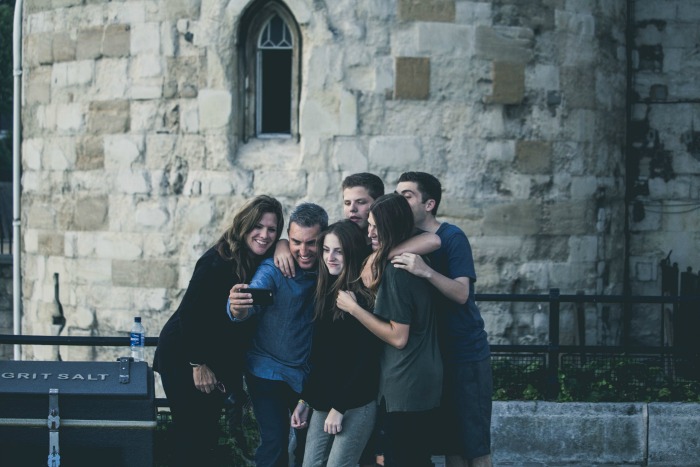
(428, 186)
(368, 181)
(309, 215)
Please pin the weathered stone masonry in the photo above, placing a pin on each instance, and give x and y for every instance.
(133, 161)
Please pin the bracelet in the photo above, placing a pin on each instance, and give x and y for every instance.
(303, 402)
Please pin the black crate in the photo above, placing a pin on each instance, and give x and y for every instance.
(106, 410)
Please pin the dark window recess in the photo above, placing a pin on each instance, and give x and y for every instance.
(276, 90)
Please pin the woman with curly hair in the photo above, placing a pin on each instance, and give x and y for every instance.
(200, 352)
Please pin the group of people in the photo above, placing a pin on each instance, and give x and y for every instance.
(380, 334)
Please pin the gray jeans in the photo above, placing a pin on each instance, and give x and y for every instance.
(345, 448)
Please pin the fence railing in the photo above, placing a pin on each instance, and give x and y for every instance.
(552, 350)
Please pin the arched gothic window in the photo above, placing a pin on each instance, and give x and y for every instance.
(270, 53)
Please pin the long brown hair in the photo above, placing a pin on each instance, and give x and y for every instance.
(394, 222)
(232, 246)
(352, 242)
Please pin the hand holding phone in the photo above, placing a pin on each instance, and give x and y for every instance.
(261, 297)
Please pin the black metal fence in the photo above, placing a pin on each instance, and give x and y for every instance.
(549, 371)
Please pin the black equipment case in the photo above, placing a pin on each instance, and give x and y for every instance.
(76, 413)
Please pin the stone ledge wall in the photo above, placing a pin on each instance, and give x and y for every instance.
(550, 433)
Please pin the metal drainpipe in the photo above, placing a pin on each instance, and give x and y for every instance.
(16, 171)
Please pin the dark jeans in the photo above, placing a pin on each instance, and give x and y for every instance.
(195, 417)
(273, 402)
(406, 438)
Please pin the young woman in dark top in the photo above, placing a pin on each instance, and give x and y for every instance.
(200, 351)
(342, 386)
(410, 365)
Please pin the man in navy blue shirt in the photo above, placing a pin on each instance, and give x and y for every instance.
(278, 360)
(464, 423)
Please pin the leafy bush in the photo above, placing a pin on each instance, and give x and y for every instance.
(512, 381)
(615, 379)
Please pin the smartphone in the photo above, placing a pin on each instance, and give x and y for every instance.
(262, 297)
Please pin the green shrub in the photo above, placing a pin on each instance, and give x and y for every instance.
(617, 379)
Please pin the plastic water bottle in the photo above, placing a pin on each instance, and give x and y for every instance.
(138, 340)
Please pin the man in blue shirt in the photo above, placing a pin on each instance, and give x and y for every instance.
(278, 360)
(464, 424)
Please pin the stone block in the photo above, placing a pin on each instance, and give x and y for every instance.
(90, 153)
(674, 434)
(473, 13)
(513, 45)
(70, 118)
(111, 79)
(176, 9)
(518, 218)
(89, 43)
(50, 244)
(508, 83)
(132, 182)
(108, 117)
(412, 78)
(578, 84)
(118, 246)
(438, 39)
(90, 214)
(146, 66)
(533, 157)
(151, 216)
(63, 48)
(197, 216)
(91, 271)
(73, 74)
(268, 181)
(350, 155)
(145, 39)
(569, 218)
(117, 40)
(329, 113)
(427, 10)
(39, 49)
(38, 86)
(389, 152)
(121, 151)
(548, 433)
(59, 154)
(214, 108)
(145, 274)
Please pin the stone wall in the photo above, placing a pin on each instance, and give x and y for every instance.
(132, 162)
(664, 158)
(585, 434)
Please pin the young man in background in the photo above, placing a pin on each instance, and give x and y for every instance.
(464, 423)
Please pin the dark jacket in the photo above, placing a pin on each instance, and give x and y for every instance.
(200, 331)
(344, 364)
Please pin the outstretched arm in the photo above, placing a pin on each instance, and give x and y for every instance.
(421, 244)
(456, 290)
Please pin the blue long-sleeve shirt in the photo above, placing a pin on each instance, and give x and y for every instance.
(282, 342)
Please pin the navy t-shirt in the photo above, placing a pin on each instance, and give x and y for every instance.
(460, 327)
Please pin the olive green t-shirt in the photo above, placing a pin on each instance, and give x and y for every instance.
(410, 378)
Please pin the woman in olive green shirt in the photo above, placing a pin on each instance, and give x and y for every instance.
(410, 363)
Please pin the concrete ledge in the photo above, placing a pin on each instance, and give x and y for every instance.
(546, 433)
